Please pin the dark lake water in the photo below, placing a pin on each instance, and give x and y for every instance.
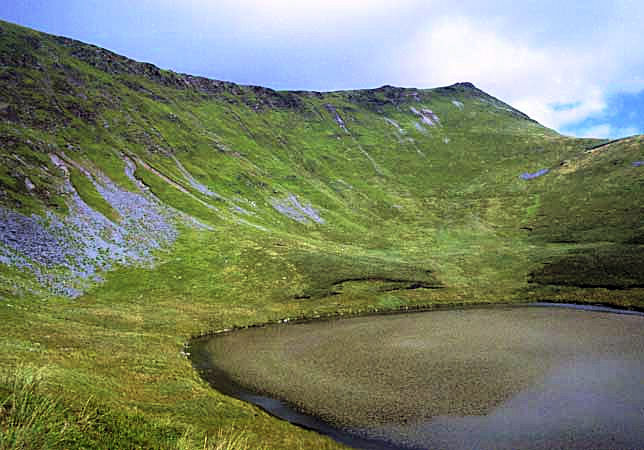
(519, 377)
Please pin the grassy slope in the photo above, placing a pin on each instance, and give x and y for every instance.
(447, 209)
(83, 185)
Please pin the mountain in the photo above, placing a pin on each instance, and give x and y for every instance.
(139, 207)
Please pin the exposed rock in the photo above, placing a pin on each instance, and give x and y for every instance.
(337, 117)
(194, 183)
(427, 116)
(29, 185)
(537, 174)
(292, 208)
(395, 124)
(67, 253)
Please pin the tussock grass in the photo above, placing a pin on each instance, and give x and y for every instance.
(33, 419)
(448, 209)
(29, 419)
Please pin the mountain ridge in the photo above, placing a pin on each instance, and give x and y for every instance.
(113, 63)
(139, 208)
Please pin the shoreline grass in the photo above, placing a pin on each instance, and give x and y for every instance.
(123, 343)
(445, 219)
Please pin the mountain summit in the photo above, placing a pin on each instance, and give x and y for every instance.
(139, 207)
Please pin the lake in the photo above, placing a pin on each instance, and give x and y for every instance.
(502, 377)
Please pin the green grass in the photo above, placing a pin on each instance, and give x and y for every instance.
(31, 419)
(87, 191)
(442, 223)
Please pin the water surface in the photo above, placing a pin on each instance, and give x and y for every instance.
(487, 378)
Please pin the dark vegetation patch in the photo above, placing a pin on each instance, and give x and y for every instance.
(375, 284)
(603, 144)
(608, 267)
(329, 274)
(26, 182)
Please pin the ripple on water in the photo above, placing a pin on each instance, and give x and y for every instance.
(502, 378)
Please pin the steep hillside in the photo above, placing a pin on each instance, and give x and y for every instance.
(139, 207)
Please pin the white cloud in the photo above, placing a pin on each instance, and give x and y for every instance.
(597, 131)
(606, 131)
(536, 80)
(300, 18)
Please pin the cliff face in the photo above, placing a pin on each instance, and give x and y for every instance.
(104, 160)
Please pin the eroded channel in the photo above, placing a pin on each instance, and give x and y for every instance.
(519, 377)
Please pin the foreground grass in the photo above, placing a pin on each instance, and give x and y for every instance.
(444, 219)
(31, 419)
(121, 346)
(117, 354)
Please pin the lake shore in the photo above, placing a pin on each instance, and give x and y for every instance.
(310, 370)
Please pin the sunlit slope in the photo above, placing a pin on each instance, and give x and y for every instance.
(372, 167)
(593, 225)
(424, 171)
(139, 207)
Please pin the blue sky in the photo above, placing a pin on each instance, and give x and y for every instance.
(574, 66)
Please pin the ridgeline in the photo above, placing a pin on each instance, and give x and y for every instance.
(140, 207)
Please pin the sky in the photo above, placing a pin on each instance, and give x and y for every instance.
(575, 66)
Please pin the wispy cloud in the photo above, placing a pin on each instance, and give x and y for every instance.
(597, 131)
(560, 62)
(279, 18)
(606, 131)
(557, 85)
